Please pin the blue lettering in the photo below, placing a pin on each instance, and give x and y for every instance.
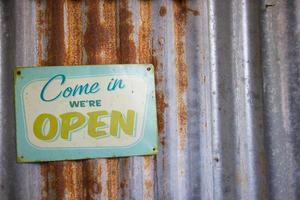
(74, 103)
(95, 87)
(63, 78)
(114, 84)
(69, 91)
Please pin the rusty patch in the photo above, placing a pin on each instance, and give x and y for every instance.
(44, 183)
(123, 184)
(184, 9)
(40, 28)
(91, 185)
(124, 164)
(61, 180)
(74, 50)
(109, 42)
(55, 33)
(145, 55)
(92, 36)
(148, 184)
(79, 179)
(72, 174)
(149, 188)
(127, 48)
(113, 178)
(180, 16)
(162, 11)
(161, 104)
(57, 179)
(148, 179)
(161, 107)
(100, 36)
(158, 71)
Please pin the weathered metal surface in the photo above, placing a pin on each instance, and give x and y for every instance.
(54, 96)
(227, 75)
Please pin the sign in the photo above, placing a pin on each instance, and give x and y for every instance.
(77, 112)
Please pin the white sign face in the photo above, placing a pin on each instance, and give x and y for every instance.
(85, 112)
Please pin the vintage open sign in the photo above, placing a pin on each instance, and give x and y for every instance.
(76, 112)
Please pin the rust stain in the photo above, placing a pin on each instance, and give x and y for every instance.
(109, 42)
(91, 184)
(40, 28)
(145, 55)
(184, 9)
(113, 178)
(44, 183)
(93, 35)
(72, 173)
(149, 187)
(61, 180)
(154, 61)
(158, 72)
(161, 103)
(162, 11)
(74, 50)
(55, 33)
(148, 179)
(123, 184)
(127, 48)
(180, 16)
(124, 164)
(78, 180)
(161, 107)
(100, 39)
(57, 179)
(51, 180)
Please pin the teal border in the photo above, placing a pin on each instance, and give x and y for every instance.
(146, 145)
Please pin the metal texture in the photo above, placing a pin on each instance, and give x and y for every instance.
(228, 95)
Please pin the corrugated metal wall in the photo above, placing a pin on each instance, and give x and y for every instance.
(228, 95)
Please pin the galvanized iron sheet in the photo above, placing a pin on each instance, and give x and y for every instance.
(228, 95)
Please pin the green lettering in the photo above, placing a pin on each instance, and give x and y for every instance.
(126, 125)
(68, 124)
(93, 123)
(39, 124)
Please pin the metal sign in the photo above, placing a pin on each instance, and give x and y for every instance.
(77, 112)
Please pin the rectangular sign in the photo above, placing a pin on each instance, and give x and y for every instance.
(77, 112)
